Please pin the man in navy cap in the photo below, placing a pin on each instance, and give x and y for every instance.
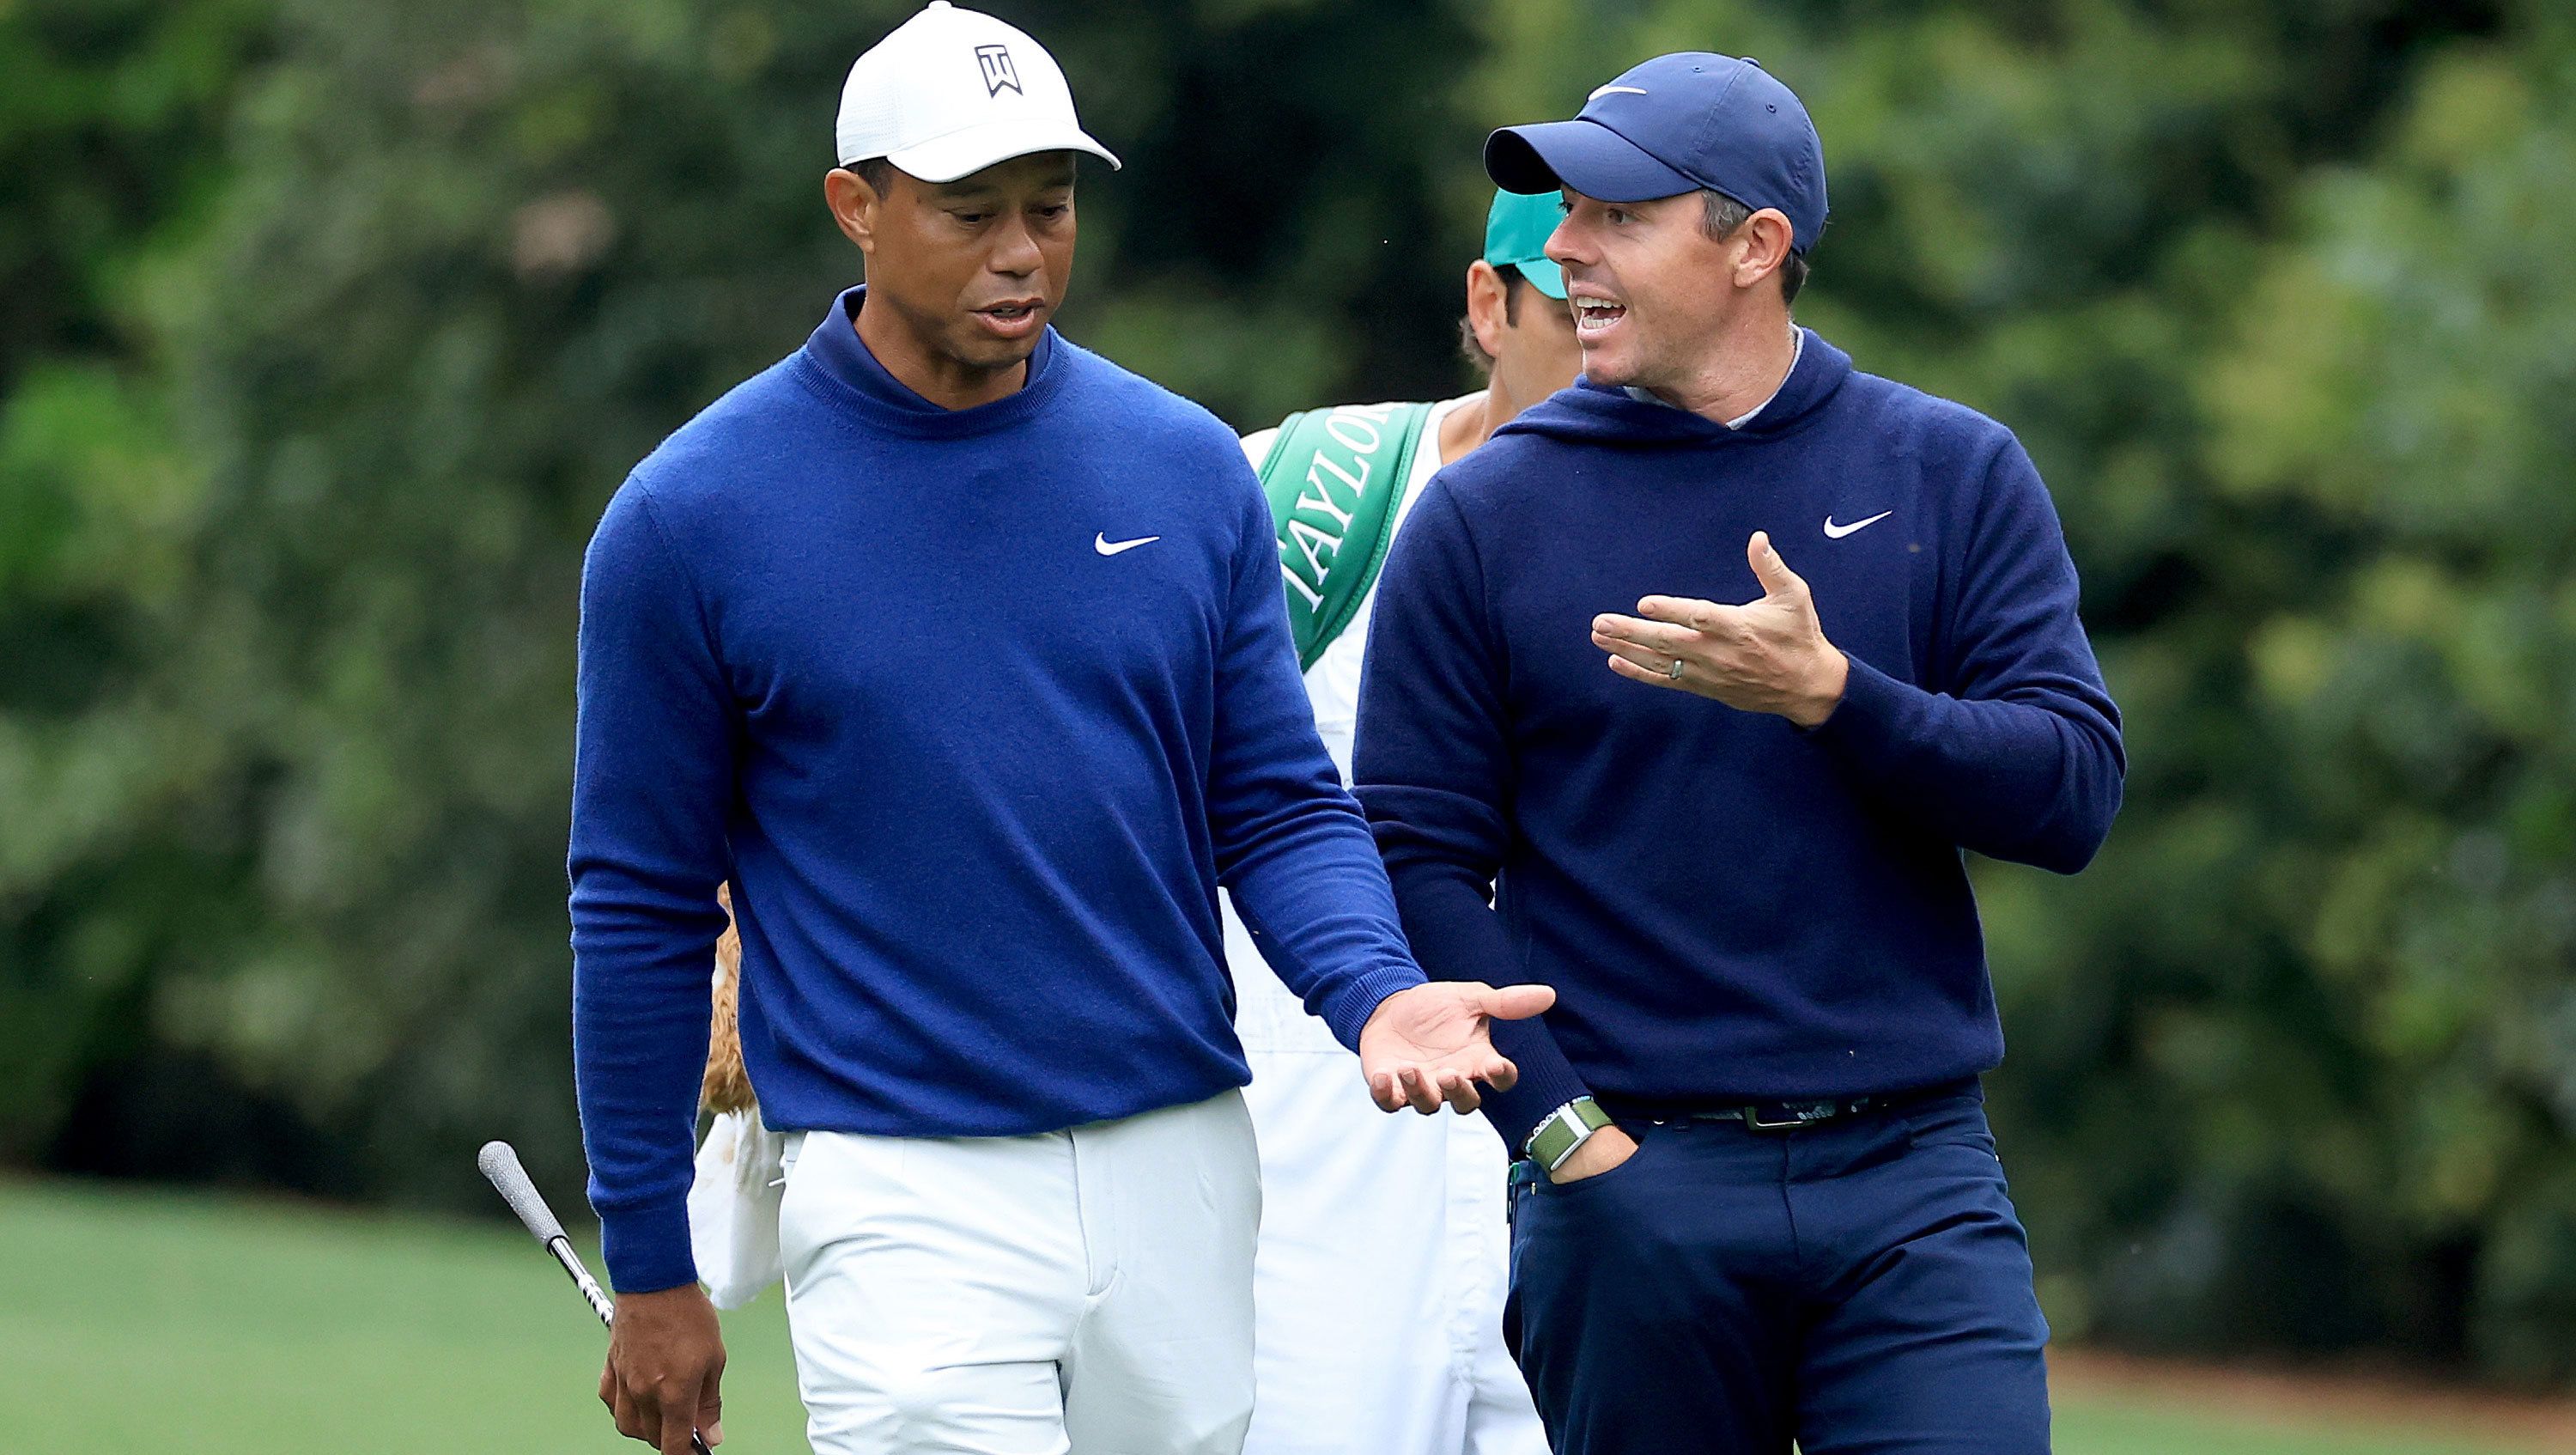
(1610, 739)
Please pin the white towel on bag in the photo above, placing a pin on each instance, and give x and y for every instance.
(733, 1208)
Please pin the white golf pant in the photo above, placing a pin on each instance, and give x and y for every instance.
(1378, 1289)
(1087, 1291)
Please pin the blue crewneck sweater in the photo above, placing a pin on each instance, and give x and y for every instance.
(1731, 909)
(974, 775)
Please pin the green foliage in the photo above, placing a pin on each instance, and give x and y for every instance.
(2418, 679)
(111, 123)
(329, 328)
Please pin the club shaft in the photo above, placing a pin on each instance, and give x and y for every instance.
(600, 1304)
(591, 1292)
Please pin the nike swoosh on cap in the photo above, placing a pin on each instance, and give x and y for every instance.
(1601, 91)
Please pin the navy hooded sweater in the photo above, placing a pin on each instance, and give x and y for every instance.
(975, 709)
(1731, 909)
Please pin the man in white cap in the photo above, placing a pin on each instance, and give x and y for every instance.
(959, 654)
(1378, 1289)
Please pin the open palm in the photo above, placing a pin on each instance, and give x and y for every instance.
(1430, 1046)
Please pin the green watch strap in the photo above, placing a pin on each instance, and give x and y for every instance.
(1565, 1129)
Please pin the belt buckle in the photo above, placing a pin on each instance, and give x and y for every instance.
(1798, 1114)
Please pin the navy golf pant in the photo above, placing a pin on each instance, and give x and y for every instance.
(1861, 1287)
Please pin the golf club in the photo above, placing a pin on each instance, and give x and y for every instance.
(500, 1164)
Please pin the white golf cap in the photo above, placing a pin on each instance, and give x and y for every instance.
(953, 91)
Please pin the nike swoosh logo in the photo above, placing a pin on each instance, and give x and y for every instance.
(1835, 532)
(1107, 547)
(1615, 91)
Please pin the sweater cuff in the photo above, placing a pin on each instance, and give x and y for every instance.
(1873, 715)
(1547, 1081)
(1347, 1010)
(646, 1248)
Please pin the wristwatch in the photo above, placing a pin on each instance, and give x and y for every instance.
(1563, 1130)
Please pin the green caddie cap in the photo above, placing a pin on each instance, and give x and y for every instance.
(1516, 232)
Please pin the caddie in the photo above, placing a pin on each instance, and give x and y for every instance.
(1708, 670)
(1378, 1286)
(959, 653)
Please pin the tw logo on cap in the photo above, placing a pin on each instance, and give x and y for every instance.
(995, 61)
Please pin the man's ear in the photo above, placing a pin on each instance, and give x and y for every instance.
(854, 206)
(1487, 315)
(1764, 239)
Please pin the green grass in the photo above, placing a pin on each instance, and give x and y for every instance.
(135, 1323)
(2119, 1429)
(150, 1323)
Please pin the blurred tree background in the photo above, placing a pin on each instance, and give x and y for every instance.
(326, 329)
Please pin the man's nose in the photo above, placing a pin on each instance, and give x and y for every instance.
(1564, 245)
(1015, 252)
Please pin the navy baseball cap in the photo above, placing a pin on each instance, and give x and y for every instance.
(1679, 123)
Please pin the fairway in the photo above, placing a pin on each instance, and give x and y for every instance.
(143, 1322)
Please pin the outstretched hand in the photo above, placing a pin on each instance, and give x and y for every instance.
(1764, 656)
(1429, 1046)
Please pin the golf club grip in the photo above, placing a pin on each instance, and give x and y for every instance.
(500, 1164)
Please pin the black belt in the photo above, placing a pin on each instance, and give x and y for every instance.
(1781, 1117)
